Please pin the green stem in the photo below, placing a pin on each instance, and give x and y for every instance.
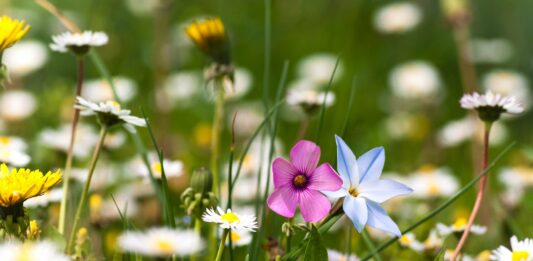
(198, 230)
(222, 244)
(215, 134)
(370, 245)
(70, 153)
(85, 192)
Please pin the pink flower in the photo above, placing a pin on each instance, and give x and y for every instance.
(299, 182)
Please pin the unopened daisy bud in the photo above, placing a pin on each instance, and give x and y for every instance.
(210, 37)
(490, 106)
(34, 231)
(78, 43)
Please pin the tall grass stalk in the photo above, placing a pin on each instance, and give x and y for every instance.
(323, 108)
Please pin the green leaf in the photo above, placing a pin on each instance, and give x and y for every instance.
(315, 249)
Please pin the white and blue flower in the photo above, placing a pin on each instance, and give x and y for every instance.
(364, 191)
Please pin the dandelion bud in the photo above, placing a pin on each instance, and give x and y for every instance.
(202, 181)
(198, 197)
(81, 239)
(34, 231)
(456, 11)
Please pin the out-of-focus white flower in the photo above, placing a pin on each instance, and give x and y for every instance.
(14, 157)
(334, 255)
(142, 7)
(230, 220)
(31, 250)
(433, 242)
(12, 143)
(173, 168)
(397, 17)
(25, 57)
(409, 241)
(415, 80)
(456, 132)
(243, 81)
(59, 139)
(109, 113)
(309, 98)
(238, 238)
(508, 83)
(16, 105)
(430, 182)
(114, 140)
(319, 67)
(302, 84)
(492, 101)
(490, 50)
(248, 117)
(402, 125)
(516, 180)
(180, 88)
(161, 242)
(43, 200)
(520, 250)
(105, 175)
(79, 43)
(459, 227)
(100, 90)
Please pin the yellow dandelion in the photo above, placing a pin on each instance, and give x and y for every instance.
(11, 31)
(210, 36)
(18, 185)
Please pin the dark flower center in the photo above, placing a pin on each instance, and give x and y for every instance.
(299, 181)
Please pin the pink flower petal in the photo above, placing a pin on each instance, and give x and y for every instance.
(304, 156)
(283, 172)
(283, 201)
(313, 205)
(325, 178)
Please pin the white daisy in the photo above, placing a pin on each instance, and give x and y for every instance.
(161, 242)
(334, 255)
(308, 98)
(508, 83)
(99, 90)
(318, 68)
(397, 17)
(180, 89)
(31, 250)
(492, 101)
(230, 220)
(415, 80)
(109, 113)
(14, 157)
(79, 43)
(241, 237)
(12, 143)
(25, 57)
(431, 182)
(17, 105)
(520, 251)
(43, 200)
(516, 180)
(433, 242)
(409, 241)
(458, 227)
(173, 168)
(59, 139)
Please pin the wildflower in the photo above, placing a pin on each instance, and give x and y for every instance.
(99, 90)
(25, 57)
(17, 105)
(161, 242)
(409, 241)
(11, 31)
(78, 43)
(364, 191)
(309, 100)
(415, 80)
(180, 89)
(46, 198)
(12, 143)
(230, 220)
(173, 168)
(210, 37)
(59, 139)
(34, 231)
(431, 182)
(31, 250)
(516, 180)
(299, 182)
(334, 255)
(397, 17)
(490, 50)
(241, 237)
(433, 243)
(490, 106)
(520, 251)
(109, 113)
(508, 83)
(458, 227)
(318, 68)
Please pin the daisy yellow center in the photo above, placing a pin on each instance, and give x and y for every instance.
(299, 180)
(459, 223)
(406, 240)
(156, 167)
(4, 140)
(428, 168)
(163, 246)
(234, 236)
(520, 255)
(116, 105)
(353, 191)
(433, 188)
(230, 218)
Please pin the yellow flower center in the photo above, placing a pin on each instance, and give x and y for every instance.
(433, 189)
(406, 240)
(157, 168)
(299, 181)
(4, 140)
(230, 218)
(235, 237)
(115, 104)
(95, 201)
(520, 255)
(427, 168)
(459, 224)
(164, 246)
(353, 191)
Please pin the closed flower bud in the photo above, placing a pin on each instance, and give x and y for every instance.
(202, 181)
